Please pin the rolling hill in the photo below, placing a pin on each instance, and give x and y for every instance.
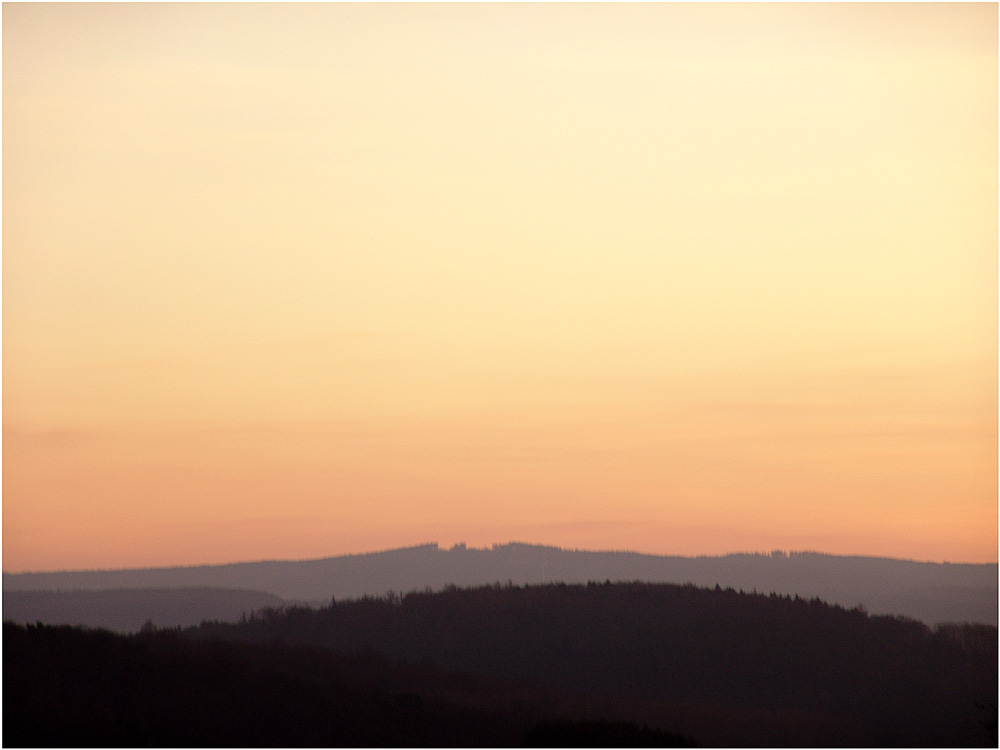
(634, 664)
(931, 592)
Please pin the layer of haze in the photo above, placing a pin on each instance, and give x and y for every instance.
(285, 281)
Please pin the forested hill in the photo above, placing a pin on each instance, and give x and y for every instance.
(630, 664)
(71, 687)
(862, 679)
(932, 592)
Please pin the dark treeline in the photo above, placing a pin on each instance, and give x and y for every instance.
(621, 664)
(126, 610)
(885, 680)
(68, 686)
(931, 592)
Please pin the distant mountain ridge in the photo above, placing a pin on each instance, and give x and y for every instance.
(932, 592)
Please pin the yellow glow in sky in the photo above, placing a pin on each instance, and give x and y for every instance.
(300, 280)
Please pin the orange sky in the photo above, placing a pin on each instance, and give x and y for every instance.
(286, 281)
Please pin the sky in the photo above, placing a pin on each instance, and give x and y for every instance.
(291, 281)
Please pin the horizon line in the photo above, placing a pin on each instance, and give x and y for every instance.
(462, 546)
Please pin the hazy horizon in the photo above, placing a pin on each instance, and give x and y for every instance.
(284, 281)
(494, 546)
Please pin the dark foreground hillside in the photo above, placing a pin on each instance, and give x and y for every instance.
(600, 665)
(71, 687)
(841, 675)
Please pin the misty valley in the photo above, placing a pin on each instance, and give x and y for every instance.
(605, 662)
